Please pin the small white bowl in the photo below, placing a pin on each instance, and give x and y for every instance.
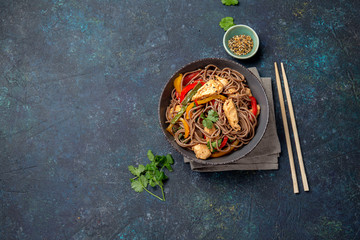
(241, 30)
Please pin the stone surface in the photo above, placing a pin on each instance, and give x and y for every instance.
(79, 89)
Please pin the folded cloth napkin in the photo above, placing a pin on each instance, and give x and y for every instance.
(264, 156)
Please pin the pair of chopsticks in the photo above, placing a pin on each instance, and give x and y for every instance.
(286, 128)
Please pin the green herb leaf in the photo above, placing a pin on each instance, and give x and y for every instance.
(168, 167)
(132, 170)
(148, 175)
(226, 23)
(143, 181)
(207, 123)
(137, 171)
(202, 116)
(213, 144)
(152, 183)
(169, 159)
(150, 155)
(230, 2)
(151, 167)
(136, 185)
(213, 116)
(160, 159)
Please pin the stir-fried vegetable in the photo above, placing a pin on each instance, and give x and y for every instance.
(185, 102)
(188, 88)
(224, 142)
(191, 94)
(186, 127)
(253, 105)
(213, 144)
(177, 84)
(189, 77)
(220, 154)
(178, 115)
(208, 99)
(169, 129)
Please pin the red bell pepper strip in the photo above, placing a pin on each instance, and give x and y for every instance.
(223, 143)
(189, 77)
(188, 88)
(253, 105)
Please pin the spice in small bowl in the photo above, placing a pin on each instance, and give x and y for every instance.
(241, 44)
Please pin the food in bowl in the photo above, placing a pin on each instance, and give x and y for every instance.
(212, 111)
(241, 44)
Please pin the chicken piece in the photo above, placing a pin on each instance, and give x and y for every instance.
(210, 131)
(210, 88)
(177, 109)
(201, 151)
(223, 81)
(231, 90)
(248, 92)
(231, 114)
(234, 95)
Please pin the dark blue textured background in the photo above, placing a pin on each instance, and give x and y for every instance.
(79, 89)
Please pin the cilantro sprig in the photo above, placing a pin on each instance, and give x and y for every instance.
(226, 23)
(210, 119)
(229, 2)
(152, 174)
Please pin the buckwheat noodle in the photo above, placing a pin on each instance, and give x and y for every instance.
(238, 91)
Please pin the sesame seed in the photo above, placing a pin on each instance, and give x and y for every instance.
(241, 44)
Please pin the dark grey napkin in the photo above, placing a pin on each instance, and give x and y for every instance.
(265, 154)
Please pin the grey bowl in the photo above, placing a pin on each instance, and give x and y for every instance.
(256, 89)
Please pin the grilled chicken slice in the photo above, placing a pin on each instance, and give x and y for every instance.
(231, 114)
(201, 151)
(212, 87)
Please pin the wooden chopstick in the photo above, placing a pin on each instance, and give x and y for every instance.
(286, 128)
(294, 128)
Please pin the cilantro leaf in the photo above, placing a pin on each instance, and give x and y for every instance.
(226, 23)
(213, 116)
(151, 167)
(213, 144)
(169, 159)
(143, 181)
(137, 171)
(229, 2)
(160, 159)
(160, 177)
(136, 185)
(207, 123)
(169, 162)
(148, 175)
(132, 170)
(152, 183)
(150, 155)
